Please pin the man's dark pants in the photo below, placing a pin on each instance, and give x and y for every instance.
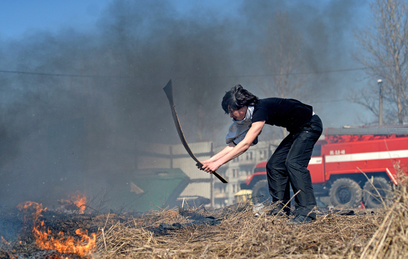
(288, 165)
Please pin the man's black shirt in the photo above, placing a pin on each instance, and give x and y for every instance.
(288, 113)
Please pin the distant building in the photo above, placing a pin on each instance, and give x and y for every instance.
(201, 185)
(237, 171)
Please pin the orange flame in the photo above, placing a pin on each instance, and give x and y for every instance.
(78, 199)
(25, 206)
(61, 243)
(64, 244)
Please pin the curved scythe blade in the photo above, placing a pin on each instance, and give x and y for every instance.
(168, 89)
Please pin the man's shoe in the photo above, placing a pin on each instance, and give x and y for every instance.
(258, 209)
(279, 212)
(299, 219)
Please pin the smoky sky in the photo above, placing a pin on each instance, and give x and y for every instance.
(81, 106)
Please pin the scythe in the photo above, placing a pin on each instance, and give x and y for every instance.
(168, 89)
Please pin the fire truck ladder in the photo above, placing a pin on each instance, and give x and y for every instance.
(368, 131)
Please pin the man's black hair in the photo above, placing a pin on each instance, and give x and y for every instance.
(236, 98)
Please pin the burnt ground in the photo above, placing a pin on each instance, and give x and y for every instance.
(16, 227)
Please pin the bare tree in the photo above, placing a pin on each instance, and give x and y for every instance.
(385, 52)
(283, 53)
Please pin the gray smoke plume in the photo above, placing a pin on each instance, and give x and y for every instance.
(81, 114)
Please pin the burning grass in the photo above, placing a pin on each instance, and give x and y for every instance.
(235, 232)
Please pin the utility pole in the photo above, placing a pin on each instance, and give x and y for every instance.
(380, 108)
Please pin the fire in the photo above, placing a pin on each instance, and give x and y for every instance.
(25, 206)
(79, 200)
(44, 239)
(64, 244)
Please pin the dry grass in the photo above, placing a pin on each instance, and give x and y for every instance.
(239, 234)
(391, 238)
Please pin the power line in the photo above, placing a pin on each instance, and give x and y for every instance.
(61, 75)
(112, 76)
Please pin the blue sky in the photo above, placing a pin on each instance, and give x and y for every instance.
(18, 17)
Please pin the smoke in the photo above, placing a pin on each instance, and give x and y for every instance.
(90, 101)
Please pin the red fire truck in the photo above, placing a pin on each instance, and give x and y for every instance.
(352, 166)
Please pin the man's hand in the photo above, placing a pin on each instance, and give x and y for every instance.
(210, 166)
(200, 166)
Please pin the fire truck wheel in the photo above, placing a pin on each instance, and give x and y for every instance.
(377, 193)
(260, 192)
(345, 193)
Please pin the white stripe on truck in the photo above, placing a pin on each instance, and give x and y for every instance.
(315, 161)
(367, 156)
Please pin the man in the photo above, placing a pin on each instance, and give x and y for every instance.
(288, 164)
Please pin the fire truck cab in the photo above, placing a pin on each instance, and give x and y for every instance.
(350, 165)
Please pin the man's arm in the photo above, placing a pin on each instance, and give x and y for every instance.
(220, 154)
(230, 153)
